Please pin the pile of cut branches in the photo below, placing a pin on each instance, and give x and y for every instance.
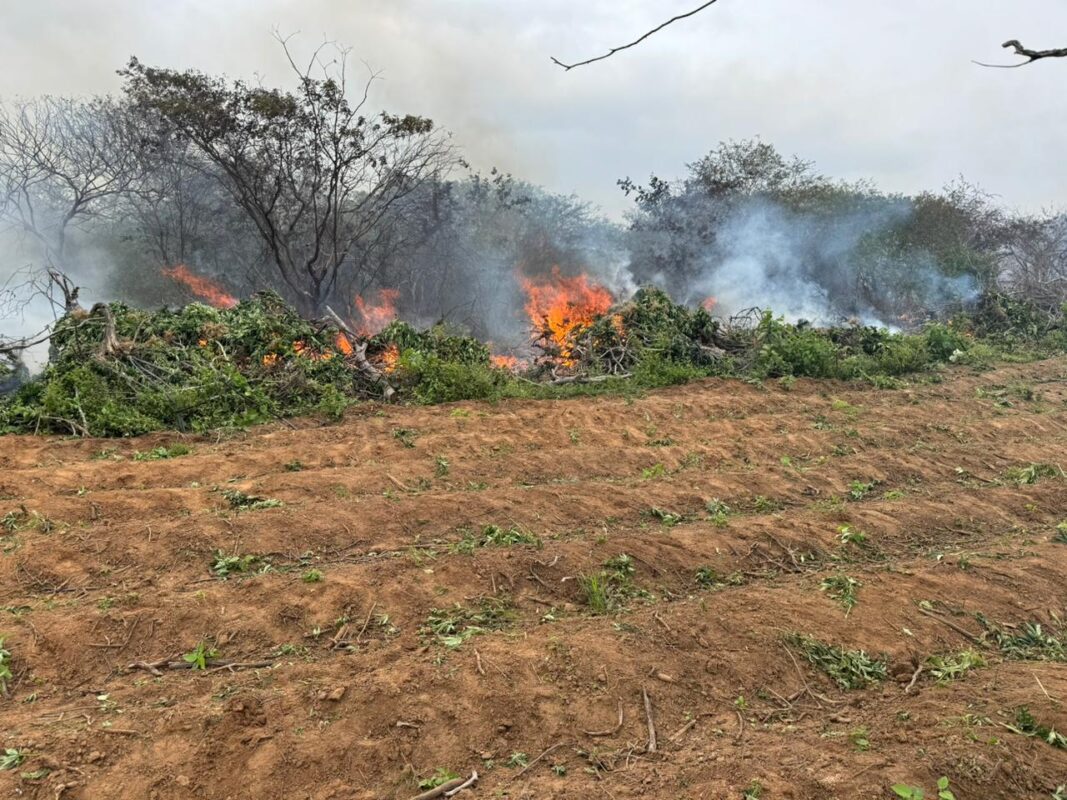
(647, 326)
(119, 371)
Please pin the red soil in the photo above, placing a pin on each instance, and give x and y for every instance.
(122, 574)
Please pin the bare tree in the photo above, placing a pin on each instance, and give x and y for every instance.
(1034, 266)
(62, 162)
(315, 175)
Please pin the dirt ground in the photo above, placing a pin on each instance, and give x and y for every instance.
(327, 681)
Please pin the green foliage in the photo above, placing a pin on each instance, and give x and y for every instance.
(1060, 536)
(246, 502)
(668, 518)
(945, 669)
(608, 590)
(495, 536)
(800, 351)
(451, 627)
(431, 379)
(1026, 725)
(200, 655)
(849, 669)
(312, 576)
(710, 578)
(718, 512)
(658, 341)
(11, 759)
(5, 667)
(196, 369)
(1026, 642)
(842, 588)
(201, 368)
(1032, 473)
(916, 793)
(440, 777)
(857, 490)
(653, 472)
(849, 535)
(159, 453)
(518, 760)
(223, 566)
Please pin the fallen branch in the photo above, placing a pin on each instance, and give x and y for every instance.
(442, 790)
(359, 356)
(156, 667)
(949, 623)
(914, 678)
(469, 782)
(651, 724)
(526, 769)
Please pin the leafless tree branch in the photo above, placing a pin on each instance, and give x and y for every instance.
(637, 41)
(1030, 55)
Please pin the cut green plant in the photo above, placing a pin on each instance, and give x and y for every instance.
(849, 669)
(842, 588)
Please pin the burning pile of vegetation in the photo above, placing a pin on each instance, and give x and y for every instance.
(119, 371)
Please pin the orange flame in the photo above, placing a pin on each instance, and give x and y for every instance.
(206, 290)
(559, 305)
(343, 344)
(303, 351)
(374, 317)
(709, 303)
(270, 359)
(505, 362)
(390, 358)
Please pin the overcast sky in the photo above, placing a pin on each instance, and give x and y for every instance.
(884, 90)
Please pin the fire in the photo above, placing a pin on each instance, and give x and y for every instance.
(709, 303)
(343, 344)
(206, 290)
(301, 349)
(270, 359)
(559, 305)
(374, 317)
(505, 361)
(390, 358)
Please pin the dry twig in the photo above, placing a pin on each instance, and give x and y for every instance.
(637, 41)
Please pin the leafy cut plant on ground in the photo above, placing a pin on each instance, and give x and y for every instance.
(842, 588)
(1026, 642)
(5, 667)
(1026, 725)
(849, 669)
(947, 668)
(223, 566)
(452, 626)
(246, 502)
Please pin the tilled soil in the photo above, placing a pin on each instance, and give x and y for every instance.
(342, 667)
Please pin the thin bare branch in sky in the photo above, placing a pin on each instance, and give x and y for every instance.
(1030, 55)
(637, 41)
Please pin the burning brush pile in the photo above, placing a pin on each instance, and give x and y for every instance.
(119, 371)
